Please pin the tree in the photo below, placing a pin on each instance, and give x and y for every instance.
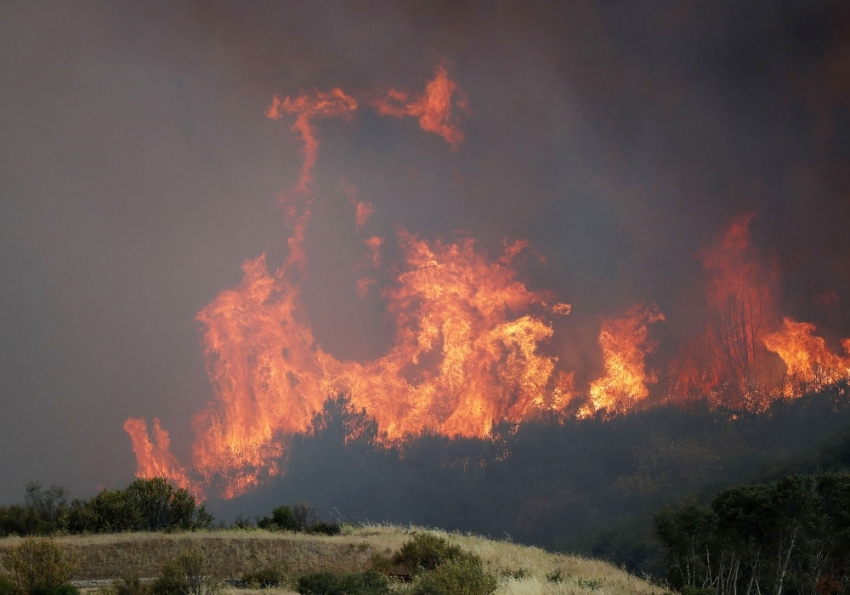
(340, 424)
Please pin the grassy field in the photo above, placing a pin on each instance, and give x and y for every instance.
(524, 570)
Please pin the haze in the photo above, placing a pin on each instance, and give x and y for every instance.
(139, 171)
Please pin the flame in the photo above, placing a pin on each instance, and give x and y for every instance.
(156, 460)
(809, 363)
(465, 354)
(433, 108)
(625, 343)
(373, 245)
(728, 364)
(741, 296)
(468, 335)
(308, 107)
(363, 210)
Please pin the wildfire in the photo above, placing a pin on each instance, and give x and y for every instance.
(729, 364)
(810, 365)
(433, 108)
(465, 354)
(155, 459)
(625, 343)
(467, 351)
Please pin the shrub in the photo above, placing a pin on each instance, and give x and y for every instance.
(355, 583)
(7, 586)
(145, 505)
(426, 552)
(186, 576)
(66, 589)
(381, 563)
(555, 576)
(461, 576)
(244, 523)
(282, 519)
(590, 585)
(275, 575)
(130, 585)
(304, 516)
(39, 565)
(325, 528)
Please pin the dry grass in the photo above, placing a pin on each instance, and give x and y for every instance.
(232, 552)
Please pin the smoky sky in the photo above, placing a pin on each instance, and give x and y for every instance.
(138, 171)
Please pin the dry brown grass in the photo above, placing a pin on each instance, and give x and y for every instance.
(232, 552)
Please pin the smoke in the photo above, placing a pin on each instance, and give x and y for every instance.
(140, 171)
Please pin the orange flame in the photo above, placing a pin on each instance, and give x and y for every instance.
(308, 107)
(728, 364)
(465, 354)
(625, 343)
(741, 297)
(462, 360)
(156, 460)
(810, 365)
(433, 108)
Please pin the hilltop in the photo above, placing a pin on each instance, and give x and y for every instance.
(522, 569)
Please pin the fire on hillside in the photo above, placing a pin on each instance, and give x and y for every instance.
(468, 350)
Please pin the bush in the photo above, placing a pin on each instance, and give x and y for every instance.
(130, 585)
(282, 519)
(275, 575)
(355, 583)
(304, 516)
(325, 528)
(462, 576)
(186, 575)
(425, 552)
(66, 589)
(7, 586)
(39, 565)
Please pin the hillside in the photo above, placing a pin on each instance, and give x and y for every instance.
(523, 569)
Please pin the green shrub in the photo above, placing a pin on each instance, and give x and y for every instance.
(282, 519)
(590, 585)
(355, 583)
(275, 575)
(325, 528)
(555, 576)
(7, 586)
(425, 552)
(462, 576)
(186, 575)
(381, 563)
(38, 565)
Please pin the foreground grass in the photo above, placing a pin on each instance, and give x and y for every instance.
(523, 570)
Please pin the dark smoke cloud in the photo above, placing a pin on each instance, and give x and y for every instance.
(137, 171)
